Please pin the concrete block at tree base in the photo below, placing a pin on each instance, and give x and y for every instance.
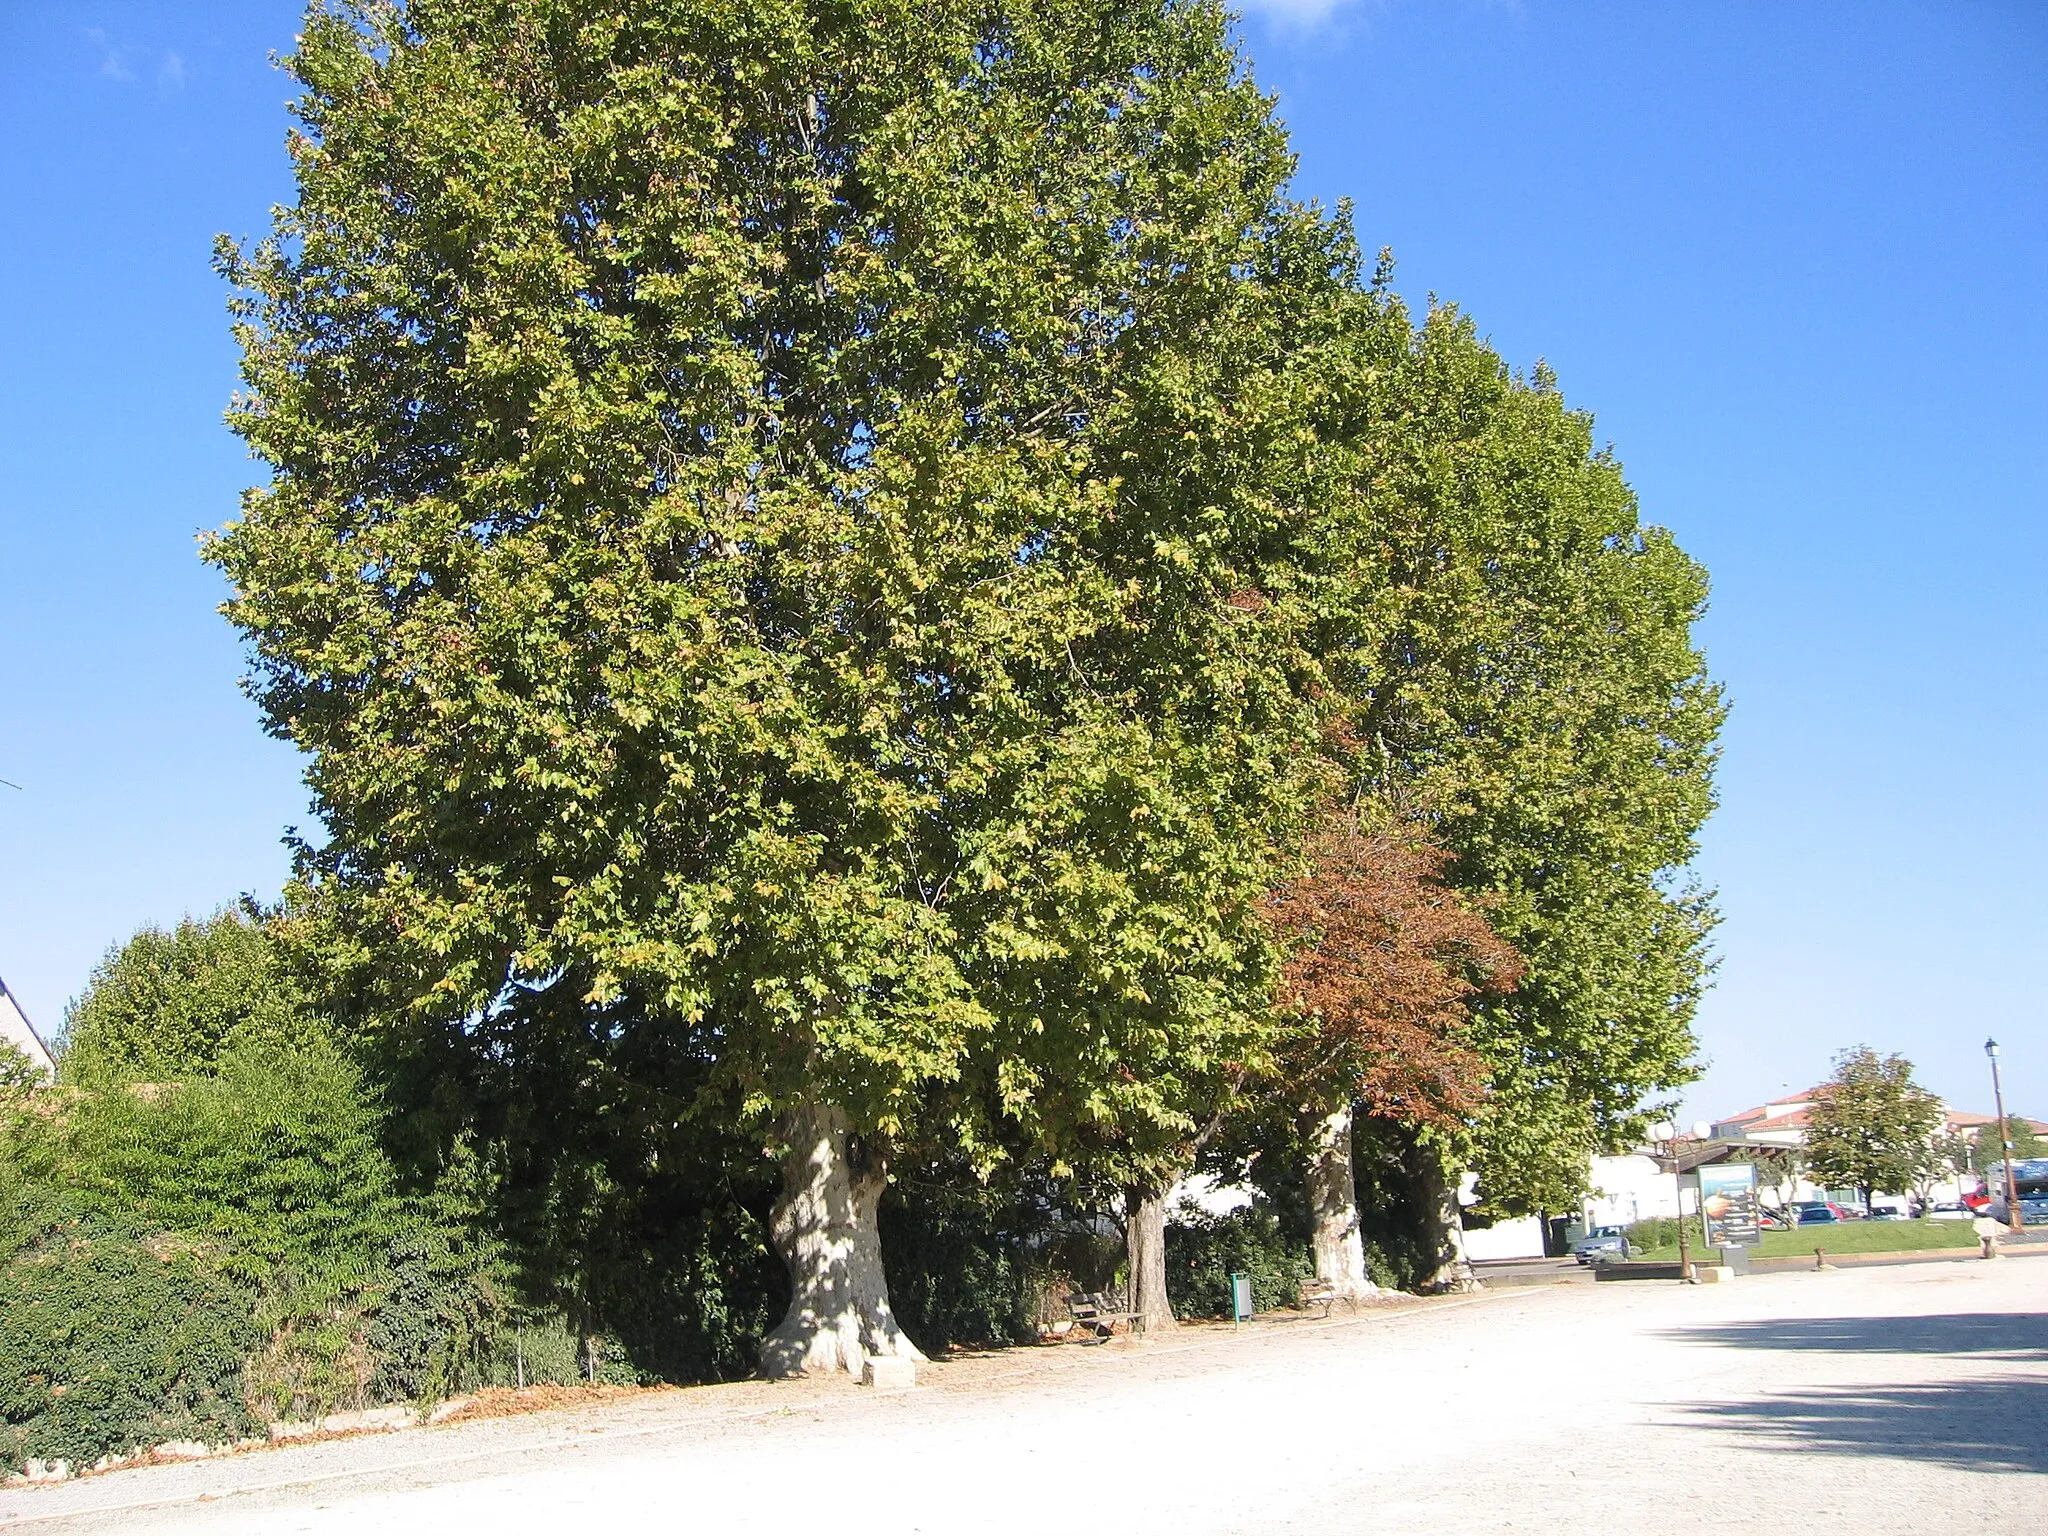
(888, 1373)
(1712, 1274)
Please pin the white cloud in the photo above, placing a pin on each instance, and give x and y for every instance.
(126, 65)
(112, 64)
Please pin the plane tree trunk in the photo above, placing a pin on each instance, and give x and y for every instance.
(1447, 1227)
(1333, 1201)
(824, 1229)
(1145, 1244)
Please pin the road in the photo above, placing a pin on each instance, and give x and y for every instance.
(1902, 1400)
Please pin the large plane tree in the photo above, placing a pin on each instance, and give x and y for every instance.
(766, 549)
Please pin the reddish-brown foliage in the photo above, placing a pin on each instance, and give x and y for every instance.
(1384, 960)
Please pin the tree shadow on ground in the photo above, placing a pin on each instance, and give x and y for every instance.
(1990, 1425)
(1998, 1335)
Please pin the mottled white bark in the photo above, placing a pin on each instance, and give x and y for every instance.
(1453, 1269)
(1145, 1248)
(1333, 1201)
(823, 1226)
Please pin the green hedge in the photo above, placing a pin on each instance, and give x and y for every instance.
(959, 1267)
(276, 1153)
(111, 1341)
(1202, 1253)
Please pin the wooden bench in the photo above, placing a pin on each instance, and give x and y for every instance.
(1093, 1311)
(1318, 1293)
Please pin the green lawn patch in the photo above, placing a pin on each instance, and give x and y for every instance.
(1850, 1237)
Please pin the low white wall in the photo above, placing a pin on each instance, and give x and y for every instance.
(1521, 1238)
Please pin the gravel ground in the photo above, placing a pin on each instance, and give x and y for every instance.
(1915, 1399)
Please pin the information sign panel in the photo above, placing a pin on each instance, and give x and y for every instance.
(1728, 1205)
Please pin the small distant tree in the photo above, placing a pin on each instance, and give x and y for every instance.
(1948, 1157)
(1872, 1127)
(1777, 1178)
(2024, 1139)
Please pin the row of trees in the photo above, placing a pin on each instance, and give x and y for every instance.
(868, 579)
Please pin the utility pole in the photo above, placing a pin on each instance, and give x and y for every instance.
(2015, 1218)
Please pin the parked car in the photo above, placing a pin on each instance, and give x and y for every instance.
(1818, 1213)
(1771, 1223)
(1949, 1210)
(1602, 1245)
(1889, 1213)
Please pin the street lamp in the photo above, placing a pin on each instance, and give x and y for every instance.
(2014, 1217)
(1665, 1134)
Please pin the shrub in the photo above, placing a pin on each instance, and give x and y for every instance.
(545, 1350)
(688, 1297)
(165, 1006)
(433, 1319)
(1202, 1252)
(1657, 1232)
(277, 1156)
(112, 1341)
(958, 1266)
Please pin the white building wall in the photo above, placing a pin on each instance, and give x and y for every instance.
(1629, 1189)
(15, 1030)
(1521, 1238)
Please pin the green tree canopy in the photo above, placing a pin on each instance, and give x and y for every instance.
(2026, 1141)
(766, 549)
(1515, 645)
(1983, 1151)
(1871, 1126)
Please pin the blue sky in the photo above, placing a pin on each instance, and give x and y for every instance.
(1793, 257)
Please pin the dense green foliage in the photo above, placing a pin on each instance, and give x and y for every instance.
(166, 1004)
(276, 1153)
(764, 545)
(1515, 646)
(235, 1243)
(832, 554)
(2019, 1133)
(1202, 1253)
(961, 1264)
(111, 1341)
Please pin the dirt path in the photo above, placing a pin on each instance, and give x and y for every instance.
(1869, 1401)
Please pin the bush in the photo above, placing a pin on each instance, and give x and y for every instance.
(1656, 1232)
(959, 1268)
(433, 1320)
(277, 1156)
(692, 1300)
(166, 1006)
(1203, 1252)
(112, 1341)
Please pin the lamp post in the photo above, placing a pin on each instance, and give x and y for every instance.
(1666, 1135)
(2014, 1217)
